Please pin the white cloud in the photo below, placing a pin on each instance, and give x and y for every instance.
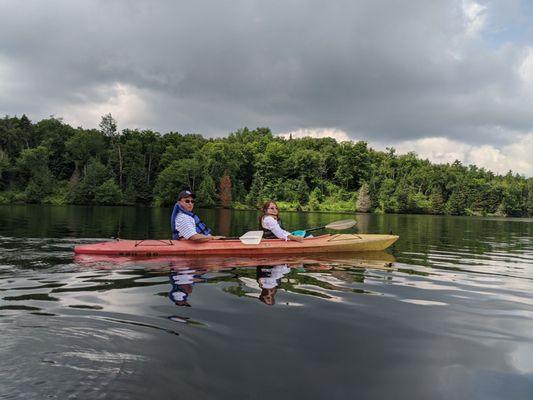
(124, 102)
(334, 133)
(516, 156)
(525, 69)
(437, 149)
(475, 17)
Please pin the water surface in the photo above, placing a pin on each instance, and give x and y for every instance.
(445, 313)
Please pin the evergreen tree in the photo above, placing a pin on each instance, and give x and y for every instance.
(529, 201)
(364, 202)
(84, 191)
(207, 193)
(456, 204)
(108, 127)
(436, 201)
(4, 167)
(315, 198)
(34, 173)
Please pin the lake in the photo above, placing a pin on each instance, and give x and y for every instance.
(446, 313)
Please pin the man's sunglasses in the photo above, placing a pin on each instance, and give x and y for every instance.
(188, 201)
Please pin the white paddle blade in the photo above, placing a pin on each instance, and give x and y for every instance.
(252, 237)
(343, 224)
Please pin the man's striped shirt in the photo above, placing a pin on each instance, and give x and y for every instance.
(185, 225)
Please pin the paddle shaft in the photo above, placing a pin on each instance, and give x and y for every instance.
(337, 225)
(315, 229)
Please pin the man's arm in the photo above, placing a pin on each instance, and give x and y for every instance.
(185, 225)
(198, 237)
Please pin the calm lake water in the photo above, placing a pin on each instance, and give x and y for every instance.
(446, 313)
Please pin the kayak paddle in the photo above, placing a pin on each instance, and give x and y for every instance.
(252, 237)
(336, 225)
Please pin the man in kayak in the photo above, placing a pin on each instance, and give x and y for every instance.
(185, 224)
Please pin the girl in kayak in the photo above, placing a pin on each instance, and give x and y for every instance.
(271, 224)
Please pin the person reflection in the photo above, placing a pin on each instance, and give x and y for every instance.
(269, 278)
(182, 282)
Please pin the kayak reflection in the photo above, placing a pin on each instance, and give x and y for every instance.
(373, 259)
(330, 277)
(268, 278)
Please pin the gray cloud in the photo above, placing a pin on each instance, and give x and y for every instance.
(380, 70)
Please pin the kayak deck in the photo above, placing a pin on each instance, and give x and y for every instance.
(319, 244)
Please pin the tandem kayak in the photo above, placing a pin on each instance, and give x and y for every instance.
(234, 247)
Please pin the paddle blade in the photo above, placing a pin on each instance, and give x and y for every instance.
(298, 233)
(252, 237)
(343, 224)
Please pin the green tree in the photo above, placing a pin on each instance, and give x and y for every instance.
(457, 202)
(315, 198)
(221, 158)
(135, 171)
(108, 193)
(84, 146)
(529, 199)
(512, 201)
(108, 127)
(353, 165)
(387, 200)
(177, 176)
(364, 203)
(271, 165)
(34, 173)
(179, 147)
(207, 192)
(53, 133)
(306, 165)
(11, 139)
(418, 203)
(436, 200)
(4, 168)
(84, 191)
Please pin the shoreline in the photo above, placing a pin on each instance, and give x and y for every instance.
(285, 210)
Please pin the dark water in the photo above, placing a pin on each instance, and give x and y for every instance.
(447, 313)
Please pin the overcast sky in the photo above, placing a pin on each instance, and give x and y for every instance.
(446, 79)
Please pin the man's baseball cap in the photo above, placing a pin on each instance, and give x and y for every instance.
(186, 193)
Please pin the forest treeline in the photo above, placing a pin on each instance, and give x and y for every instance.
(53, 163)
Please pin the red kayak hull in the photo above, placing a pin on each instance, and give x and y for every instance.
(319, 244)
